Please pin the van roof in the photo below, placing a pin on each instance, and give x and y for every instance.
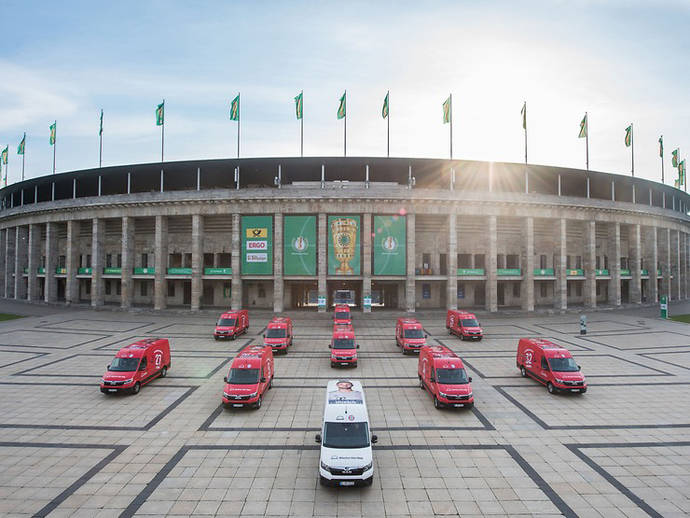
(408, 320)
(340, 307)
(229, 314)
(343, 404)
(344, 333)
(542, 343)
(279, 320)
(137, 349)
(443, 357)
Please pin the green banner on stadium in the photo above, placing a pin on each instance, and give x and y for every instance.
(299, 245)
(390, 234)
(344, 245)
(257, 245)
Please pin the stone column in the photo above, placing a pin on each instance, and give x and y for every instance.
(685, 265)
(366, 259)
(72, 262)
(197, 260)
(652, 261)
(160, 292)
(10, 236)
(614, 254)
(3, 261)
(126, 282)
(278, 288)
(97, 261)
(590, 264)
(410, 281)
(21, 259)
(676, 253)
(491, 272)
(452, 297)
(50, 291)
(665, 235)
(34, 261)
(527, 265)
(561, 285)
(635, 270)
(236, 261)
(322, 258)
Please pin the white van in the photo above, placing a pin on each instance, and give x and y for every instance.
(346, 458)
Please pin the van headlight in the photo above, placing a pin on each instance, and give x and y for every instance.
(368, 466)
(130, 380)
(442, 394)
(253, 394)
(325, 466)
(558, 381)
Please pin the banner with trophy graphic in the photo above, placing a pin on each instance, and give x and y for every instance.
(299, 245)
(390, 245)
(257, 245)
(344, 245)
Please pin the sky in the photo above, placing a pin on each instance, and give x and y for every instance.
(622, 61)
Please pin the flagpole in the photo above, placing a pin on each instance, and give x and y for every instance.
(450, 97)
(345, 128)
(587, 140)
(54, 145)
(632, 149)
(525, 121)
(23, 155)
(163, 134)
(662, 158)
(388, 119)
(301, 127)
(100, 142)
(239, 105)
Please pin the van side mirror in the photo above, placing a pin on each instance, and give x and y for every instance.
(374, 439)
(470, 379)
(263, 380)
(330, 346)
(107, 367)
(264, 335)
(579, 368)
(317, 438)
(142, 367)
(225, 379)
(357, 346)
(426, 335)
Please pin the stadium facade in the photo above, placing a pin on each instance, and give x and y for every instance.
(383, 232)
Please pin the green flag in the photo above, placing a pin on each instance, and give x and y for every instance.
(661, 146)
(447, 111)
(628, 136)
(160, 114)
(583, 127)
(4, 156)
(384, 110)
(53, 131)
(22, 145)
(100, 129)
(674, 157)
(299, 100)
(342, 112)
(523, 112)
(681, 171)
(235, 109)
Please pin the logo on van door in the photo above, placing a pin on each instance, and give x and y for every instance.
(158, 358)
(529, 356)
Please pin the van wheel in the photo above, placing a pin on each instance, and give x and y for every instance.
(470, 406)
(233, 336)
(215, 338)
(270, 384)
(550, 388)
(257, 405)
(462, 337)
(523, 371)
(323, 480)
(136, 388)
(437, 403)
(369, 481)
(164, 371)
(421, 383)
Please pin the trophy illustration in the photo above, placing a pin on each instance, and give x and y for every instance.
(344, 232)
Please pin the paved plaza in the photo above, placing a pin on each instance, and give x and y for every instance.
(621, 449)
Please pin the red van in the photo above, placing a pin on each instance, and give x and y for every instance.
(409, 335)
(443, 375)
(136, 365)
(343, 348)
(231, 324)
(250, 376)
(550, 364)
(341, 314)
(278, 334)
(464, 325)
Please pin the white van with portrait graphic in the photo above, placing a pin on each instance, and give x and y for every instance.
(346, 458)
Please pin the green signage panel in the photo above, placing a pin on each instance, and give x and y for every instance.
(575, 272)
(217, 271)
(601, 273)
(299, 245)
(144, 271)
(84, 271)
(112, 270)
(547, 272)
(625, 272)
(344, 245)
(257, 245)
(508, 271)
(390, 245)
(470, 271)
(179, 271)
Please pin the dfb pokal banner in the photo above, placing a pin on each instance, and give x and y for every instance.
(257, 245)
(390, 245)
(343, 245)
(299, 245)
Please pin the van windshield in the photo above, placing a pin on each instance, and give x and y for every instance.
(275, 333)
(346, 435)
(451, 376)
(342, 315)
(226, 322)
(470, 322)
(243, 376)
(413, 333)
(343, 343)
(563, 365)
(124, 364)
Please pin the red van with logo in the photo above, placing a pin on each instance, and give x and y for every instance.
(551, 365)
(409, 335)
(343, 348)
(278, 334)
(442, 374)
(464, 325)
(250, 376)
(341, 314)
(231, 324)
(136, 365)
